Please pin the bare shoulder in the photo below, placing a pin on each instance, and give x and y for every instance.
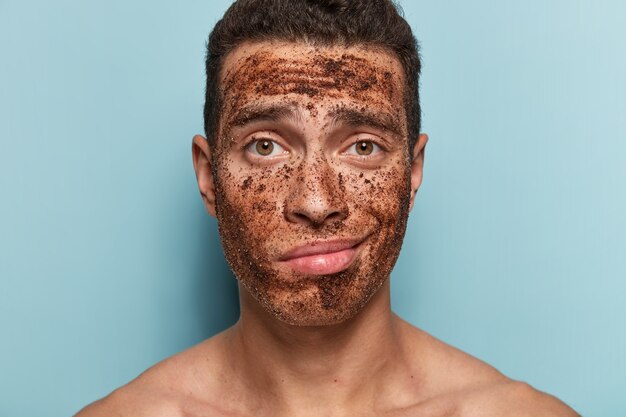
(461, 385)
(509, 398)
(132, 400)
(182, 385)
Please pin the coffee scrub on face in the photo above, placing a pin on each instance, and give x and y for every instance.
(296, 163)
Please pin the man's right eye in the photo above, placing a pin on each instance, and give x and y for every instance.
(265, 147)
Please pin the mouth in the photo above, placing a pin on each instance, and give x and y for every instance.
(322, 257)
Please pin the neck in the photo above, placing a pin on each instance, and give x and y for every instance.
(301, 367)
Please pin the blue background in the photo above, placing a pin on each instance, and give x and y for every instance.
(515, 248)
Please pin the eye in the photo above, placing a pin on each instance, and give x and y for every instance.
(265, 147)
(363, 148)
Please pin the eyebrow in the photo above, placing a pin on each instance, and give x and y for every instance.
(352, 117)
(355, 118)
(260, 113)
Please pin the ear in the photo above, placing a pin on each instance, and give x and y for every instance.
(201, 153)
(417, 166)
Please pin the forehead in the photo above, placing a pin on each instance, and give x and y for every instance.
(312, 76)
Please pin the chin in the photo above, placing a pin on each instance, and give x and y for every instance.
(319, 301)
(313, 318)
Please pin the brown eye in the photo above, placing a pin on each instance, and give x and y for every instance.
(264, 147)
(364, 147)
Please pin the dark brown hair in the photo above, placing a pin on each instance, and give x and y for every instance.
(323, 22)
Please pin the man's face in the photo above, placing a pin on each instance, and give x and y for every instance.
(312, 180)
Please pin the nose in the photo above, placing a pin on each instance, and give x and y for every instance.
(317, 197)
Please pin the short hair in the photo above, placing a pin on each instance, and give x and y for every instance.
(377, 23)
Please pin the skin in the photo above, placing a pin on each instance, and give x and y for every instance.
(310, 344)
(314, 185)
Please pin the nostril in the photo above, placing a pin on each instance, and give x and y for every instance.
(317, 219)
(334, 216)
(302, 217)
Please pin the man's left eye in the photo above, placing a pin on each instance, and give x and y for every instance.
(363, 148)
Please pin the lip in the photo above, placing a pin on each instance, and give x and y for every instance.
(323, 257)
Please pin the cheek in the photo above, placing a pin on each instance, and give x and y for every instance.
(250, 202)
(383, 193)
(251, 198)
(384, 201)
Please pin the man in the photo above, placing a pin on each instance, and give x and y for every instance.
(311, 162)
